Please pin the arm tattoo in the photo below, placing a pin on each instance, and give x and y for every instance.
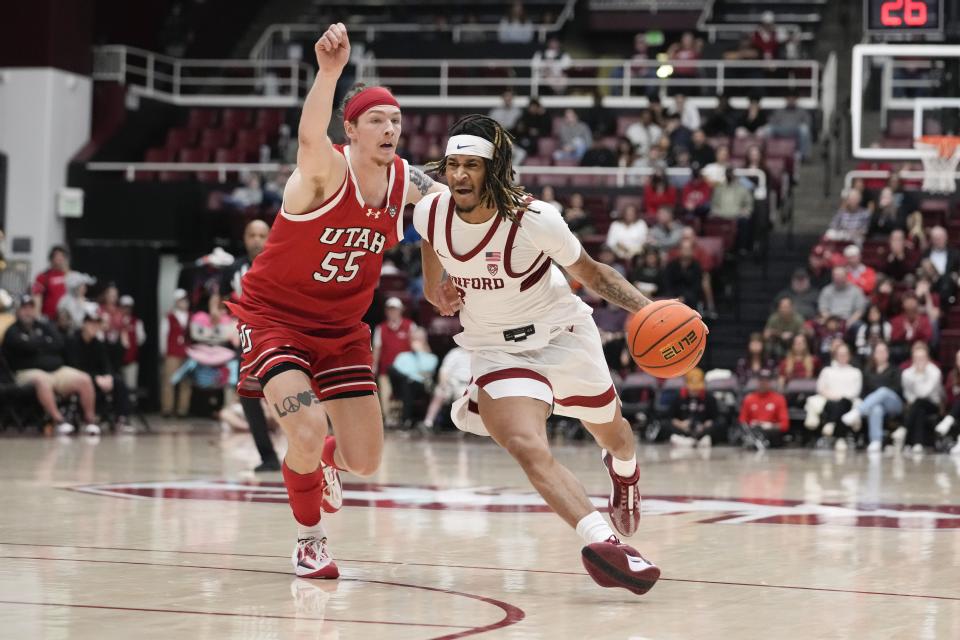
(292, 404)
(614, 288)
(420, 180)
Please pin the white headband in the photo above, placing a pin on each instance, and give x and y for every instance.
(470, 146)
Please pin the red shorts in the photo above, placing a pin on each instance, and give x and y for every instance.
(337, 361)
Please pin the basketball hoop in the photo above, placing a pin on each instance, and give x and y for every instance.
(941, 155)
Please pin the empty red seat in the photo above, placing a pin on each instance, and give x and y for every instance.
(250, 140)
(546, 146)
(624, 122)
(900, 127)
(200, 119)
(232, 156)
(781, 148)
(269, 119)
(235, 118)
(435, 124)
(214, 139)
(740, 146)
(726, 230)
(393, 281)
(179, 137)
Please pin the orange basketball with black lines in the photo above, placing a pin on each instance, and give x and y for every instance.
(666, 338)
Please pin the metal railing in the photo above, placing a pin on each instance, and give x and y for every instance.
(425, 83)
(866, 174)
(713, 29)
(194, 82)
(280, 35)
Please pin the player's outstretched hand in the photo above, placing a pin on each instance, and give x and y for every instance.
(333, 49)
(448, 298)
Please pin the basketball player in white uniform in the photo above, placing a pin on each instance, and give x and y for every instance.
(534, 346)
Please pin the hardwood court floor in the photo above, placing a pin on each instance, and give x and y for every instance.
(167, 536)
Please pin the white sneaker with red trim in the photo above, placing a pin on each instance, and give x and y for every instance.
(311, 559)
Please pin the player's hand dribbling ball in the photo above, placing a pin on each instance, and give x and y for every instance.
(666, 338)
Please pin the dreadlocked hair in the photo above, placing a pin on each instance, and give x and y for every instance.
(499, 190)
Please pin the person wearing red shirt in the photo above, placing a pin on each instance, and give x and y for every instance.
(763, 414)
(764, 39)
(909, 327)
(51, 285)
(695, 197)
(659, 193)
(390, 338)
(857, 272)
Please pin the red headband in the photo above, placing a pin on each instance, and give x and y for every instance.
(363, 101)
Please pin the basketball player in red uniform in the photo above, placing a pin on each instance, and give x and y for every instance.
(533, 344)
(304, 345)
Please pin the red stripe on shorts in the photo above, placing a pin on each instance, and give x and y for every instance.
(591, 402)
(507, 374)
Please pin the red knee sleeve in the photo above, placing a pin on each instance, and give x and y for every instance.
(305, 491)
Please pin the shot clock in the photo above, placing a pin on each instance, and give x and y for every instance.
(903, 16)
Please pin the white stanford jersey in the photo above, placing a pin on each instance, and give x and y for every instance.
(515, 298)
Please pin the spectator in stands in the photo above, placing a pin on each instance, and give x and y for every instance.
(839, 384)
(898, 262)
(851, 221)
(732, 201)
(533, 125)
(756, 161)
(640, 68)
(819, 267)
(411, 375)
(51, 285)
(87, 353)
(680, 136)
(881, 397)
(916, 233)
(803, 296)
(132, 337)
(653, 160)
(659, 193)
(695, 197)
(647, 275)
(515, 28)
(34, 350)
(743, 51)
(666, 233)
(841, 299)
(577, 217)
(946, 260)
(550, 197)
(693, 414)
(885, 218)
(552, 64)
(827, 335)
(701, 152)
(782, 325)
(793, 122)
(764, 39)
(716, 172)
(75, 304)
(507, 114)
(683, 277)
(857, 272)
(575, 137)
(799, 363)
(249, 194)
(686, 50)
(950, 424)
(756, 359)
(109, 306)
(608, 257)
(452, 381)
(7, 316)
(390, 338)
(908, 328)
(928, 301)
(763, 414)
(176, 337)
(627, 236)
(923, 391)
(598, 155)
(626, 152)
(721, 121)
(644, 133)
(883, 296)
(871, 331)
(599, 119)
(610, 320)
(753, 120)
(688, 112)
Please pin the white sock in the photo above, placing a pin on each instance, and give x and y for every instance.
(593, 528)
(316, 531)
(625, 468)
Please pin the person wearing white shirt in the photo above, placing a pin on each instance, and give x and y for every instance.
(644, 133)
(628, 235)
(689, 114)
(923, 391)
(839, 384)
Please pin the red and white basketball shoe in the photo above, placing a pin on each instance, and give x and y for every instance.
(614, 564)
(624, 501)
(332, 498)
(312, 560)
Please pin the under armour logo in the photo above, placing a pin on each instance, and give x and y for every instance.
(373, 213)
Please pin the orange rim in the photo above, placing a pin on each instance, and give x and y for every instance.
(946, 145)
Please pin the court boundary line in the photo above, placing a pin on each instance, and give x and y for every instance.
(459, 566)
(512, 613)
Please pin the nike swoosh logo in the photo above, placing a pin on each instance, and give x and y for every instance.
(637, 564)
(464, 146)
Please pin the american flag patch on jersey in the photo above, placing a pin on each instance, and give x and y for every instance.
(493, 256)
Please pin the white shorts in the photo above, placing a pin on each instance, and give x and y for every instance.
(570, 373)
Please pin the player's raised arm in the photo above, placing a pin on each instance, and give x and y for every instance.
(320, 169)
(607, 283)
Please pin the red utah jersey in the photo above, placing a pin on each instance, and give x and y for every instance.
(319, 269)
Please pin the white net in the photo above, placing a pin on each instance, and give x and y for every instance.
(939, 168)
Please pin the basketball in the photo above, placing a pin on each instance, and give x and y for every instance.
(666, 338)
